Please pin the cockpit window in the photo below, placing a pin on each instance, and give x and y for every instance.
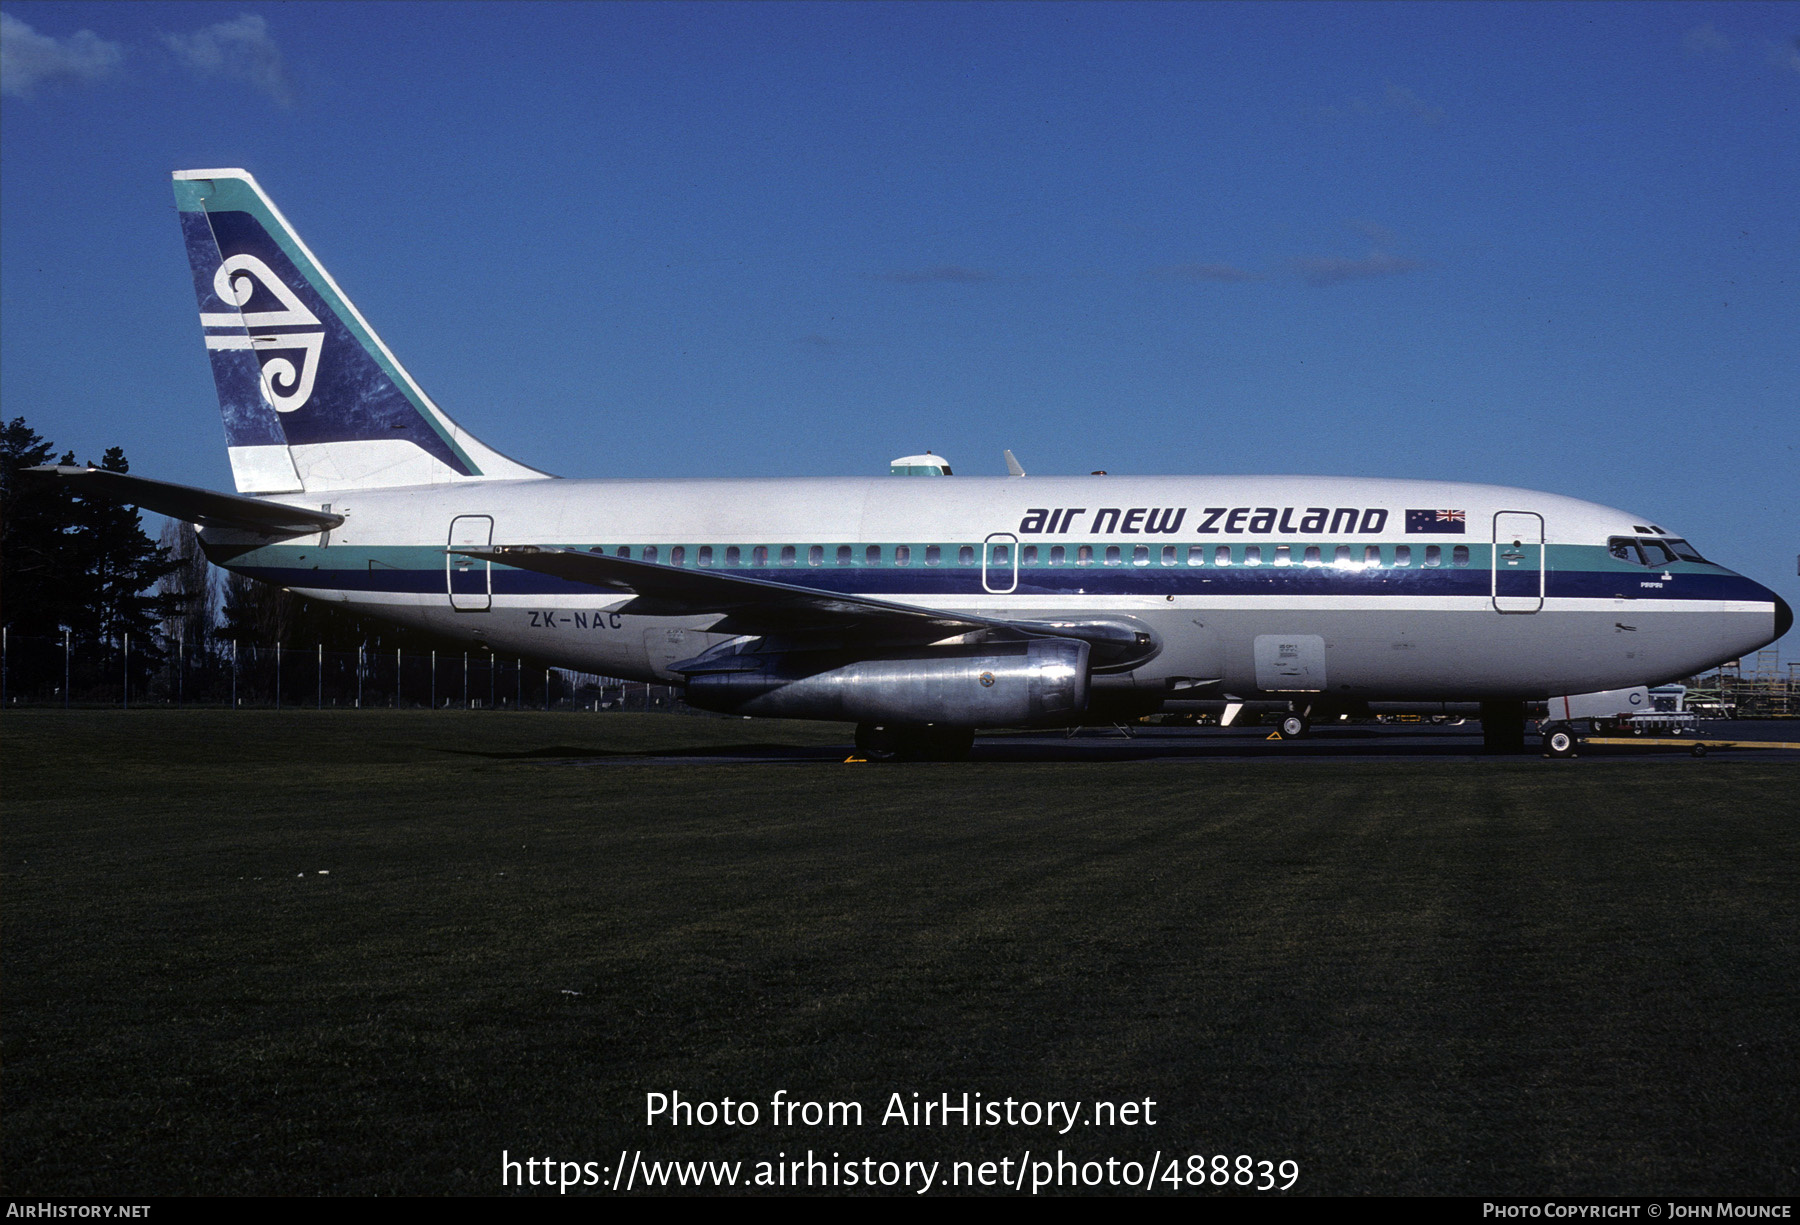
(1644, 551)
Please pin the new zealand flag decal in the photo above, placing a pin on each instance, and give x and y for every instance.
(1449, 522)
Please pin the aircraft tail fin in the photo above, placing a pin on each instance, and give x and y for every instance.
(312, 399)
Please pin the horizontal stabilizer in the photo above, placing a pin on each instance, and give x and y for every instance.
(206, 507)
(762, 606)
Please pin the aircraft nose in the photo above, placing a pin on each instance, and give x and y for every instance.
(1784, 617)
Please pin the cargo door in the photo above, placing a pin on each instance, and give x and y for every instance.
(1518, 561)
(468, 580)
(1290, 663)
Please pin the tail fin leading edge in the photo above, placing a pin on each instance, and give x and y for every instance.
(311, 397)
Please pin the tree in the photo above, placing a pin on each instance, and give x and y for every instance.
(192, 595)
(69, 562)
(34, 522)
(115, 565)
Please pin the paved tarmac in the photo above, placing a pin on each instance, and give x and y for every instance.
(1331, 742)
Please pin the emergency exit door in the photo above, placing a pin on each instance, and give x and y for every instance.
(1518, 561)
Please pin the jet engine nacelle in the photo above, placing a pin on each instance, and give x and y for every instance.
(1007, 684)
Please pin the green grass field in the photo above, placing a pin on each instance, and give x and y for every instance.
(366, 952)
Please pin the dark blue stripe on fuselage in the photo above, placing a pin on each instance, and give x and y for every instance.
(941, 583)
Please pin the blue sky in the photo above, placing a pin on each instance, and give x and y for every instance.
(1554, 246)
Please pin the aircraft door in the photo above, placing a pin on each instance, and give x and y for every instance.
(1000, 563)
(469, 582)
(1518, 561)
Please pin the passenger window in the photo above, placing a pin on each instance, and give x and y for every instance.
(1084, 555)
(759, 556)
(815, 556)
(1459, 556)
(732, 554)
(1313, 556)
(1372, 557)
(1403, 555)
(1168, 555)
(649, 552)
(965, 556)
(1284, 556)
(1030, 557)
(678, 555)
(1140, 556)
(1112, 555)
(845, 555)
(787, 555)
(1222, 555)
(1434, 555)
(872, 555)
(1253, 555)
(706, 555)
(1341, 558)
(623, 550)
(1196, 555)
(1001, 555)
(933, 554)
(1057, 554)
(902, 555)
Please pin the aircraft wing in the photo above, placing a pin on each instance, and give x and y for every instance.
(186, 502)
(762, 606)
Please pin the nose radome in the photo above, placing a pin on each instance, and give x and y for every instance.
(1784, 617)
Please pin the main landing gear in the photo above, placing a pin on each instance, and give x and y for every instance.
(914, 742)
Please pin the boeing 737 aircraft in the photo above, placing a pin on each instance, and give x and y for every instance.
(919, 609)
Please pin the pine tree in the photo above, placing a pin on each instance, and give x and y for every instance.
(35, 518)
(69, 562)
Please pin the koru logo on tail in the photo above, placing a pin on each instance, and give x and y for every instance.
(275, 335)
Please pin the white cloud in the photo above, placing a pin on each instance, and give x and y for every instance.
(29, 59)
(240, 50)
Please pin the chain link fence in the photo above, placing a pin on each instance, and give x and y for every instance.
(71, 672)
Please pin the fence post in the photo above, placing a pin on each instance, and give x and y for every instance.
(434, 679)
(396, 678)
(65, 669)
(465, 680)
(125, 689)
(359, 672)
